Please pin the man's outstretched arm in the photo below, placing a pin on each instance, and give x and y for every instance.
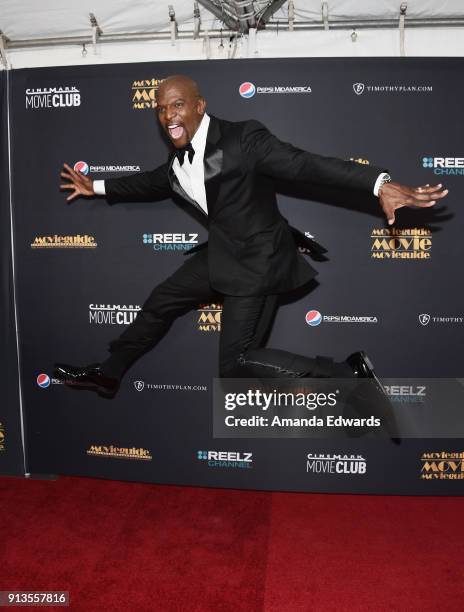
(143, 186)
(282, 160)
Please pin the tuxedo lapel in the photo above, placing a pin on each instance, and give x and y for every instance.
(212, 162)
(177, 187)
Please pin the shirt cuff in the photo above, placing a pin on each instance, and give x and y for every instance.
(376, 186)
(99, 187)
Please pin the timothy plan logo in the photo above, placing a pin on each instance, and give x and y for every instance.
(424, 319)
(52, 97)
(358, 88)
(139, 385)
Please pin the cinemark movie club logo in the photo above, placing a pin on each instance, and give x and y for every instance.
(170, 242)
(345, 465)
(52, 97)
(407, 244)
(112, 314)
(248, 90)
(453, 166)
(64, 242)
(314, 318)
(2, 437)
(119, 452)
(442, 466)
(209, 317)
(84, 168)
(226, 459)
(144, 93)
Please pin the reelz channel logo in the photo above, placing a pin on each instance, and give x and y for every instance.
(444, 165)
(314, 318)
(52, 97)
(170, 242)
(345, 465)
(226, 459)
(44, 381)
(406, 394)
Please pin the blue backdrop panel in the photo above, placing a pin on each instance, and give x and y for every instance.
(11, 448)
(86, 267)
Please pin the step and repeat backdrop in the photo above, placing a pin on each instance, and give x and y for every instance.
(11, 445)
(85, 268)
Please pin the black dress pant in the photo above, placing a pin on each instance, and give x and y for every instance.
(244, 326)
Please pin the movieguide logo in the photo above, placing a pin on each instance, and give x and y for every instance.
(402, 244)
(442, 466)
(119, 452)
(64, 242)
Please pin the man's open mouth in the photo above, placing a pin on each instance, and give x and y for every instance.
(175, 130)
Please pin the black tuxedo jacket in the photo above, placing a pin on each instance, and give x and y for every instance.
(251, 248)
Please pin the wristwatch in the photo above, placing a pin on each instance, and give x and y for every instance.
(386, 178)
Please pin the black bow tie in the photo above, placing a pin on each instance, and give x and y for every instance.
(180, 153)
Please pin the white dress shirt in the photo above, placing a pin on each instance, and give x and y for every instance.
(191, 176)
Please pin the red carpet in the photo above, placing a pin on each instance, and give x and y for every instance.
(128, 546)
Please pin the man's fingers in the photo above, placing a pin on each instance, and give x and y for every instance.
(72, 196)
(71, 171)
(68, 186)
(428, 188)
(433, 195)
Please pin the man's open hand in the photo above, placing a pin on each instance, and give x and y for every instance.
(79, 184)
(393, 196)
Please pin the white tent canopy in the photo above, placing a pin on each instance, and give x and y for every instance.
(141, 30)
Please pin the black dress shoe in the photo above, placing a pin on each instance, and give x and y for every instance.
(363, 367)
(90, 378)
(369, 398)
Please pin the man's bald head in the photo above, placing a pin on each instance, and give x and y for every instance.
(180, 107)
(181, 80)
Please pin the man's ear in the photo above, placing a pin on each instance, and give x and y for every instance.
(201, 106)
